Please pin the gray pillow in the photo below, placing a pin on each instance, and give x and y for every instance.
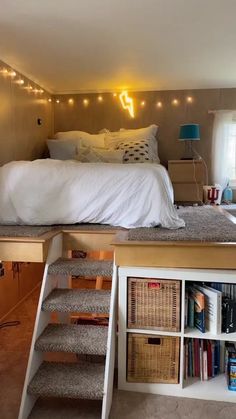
(61, 150)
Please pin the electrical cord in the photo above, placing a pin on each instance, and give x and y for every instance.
(9, 324)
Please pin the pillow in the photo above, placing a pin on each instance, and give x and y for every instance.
(148, 134)
(99, 155)
(61, 150)
(82, 138)
(135, 151)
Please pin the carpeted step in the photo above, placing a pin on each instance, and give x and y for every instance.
(81, 267)
(80, 339)
(72, 380)
(78, 300)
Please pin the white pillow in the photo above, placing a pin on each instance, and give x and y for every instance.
(82, 138)
(61, 150)
(99, 155)
(113, 139)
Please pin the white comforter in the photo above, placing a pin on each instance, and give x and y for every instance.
(45, 192)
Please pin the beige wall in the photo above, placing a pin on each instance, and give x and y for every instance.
(20, 136)
(109, 114)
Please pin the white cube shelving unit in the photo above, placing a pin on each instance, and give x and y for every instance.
(212, 389)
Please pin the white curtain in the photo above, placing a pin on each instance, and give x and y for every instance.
(223, 146)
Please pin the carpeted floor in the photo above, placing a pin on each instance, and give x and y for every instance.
(129, 405)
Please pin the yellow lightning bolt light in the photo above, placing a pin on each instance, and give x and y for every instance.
(127, 103)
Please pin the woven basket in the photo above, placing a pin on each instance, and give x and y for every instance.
(154, 304)
(153, 359)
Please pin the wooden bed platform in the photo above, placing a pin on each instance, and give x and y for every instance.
(184, 254)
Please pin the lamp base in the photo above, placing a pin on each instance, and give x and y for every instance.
(189, 152)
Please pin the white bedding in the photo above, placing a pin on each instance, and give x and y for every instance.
(45, 192)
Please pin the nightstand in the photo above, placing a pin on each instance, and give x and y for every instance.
(188, 178)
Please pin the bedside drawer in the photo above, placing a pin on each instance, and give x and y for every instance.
(186, 171)
(188, 192)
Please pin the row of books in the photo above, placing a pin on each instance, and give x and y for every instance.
(204, 358)
(228, 290)
(207, 309)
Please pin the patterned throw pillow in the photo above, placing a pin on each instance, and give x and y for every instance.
(135, 151)
(99, 155)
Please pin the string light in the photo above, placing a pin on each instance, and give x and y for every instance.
(85, 102)
(12, 73)
(4, 71)
(20, 81)
(29, 87)
(41, 91)
(114, 94)
(189, 99)
(49, 100)
(175, 102)
(57, 101)
(100, 98)
(159, 104)
(71, 101)
(143, 103)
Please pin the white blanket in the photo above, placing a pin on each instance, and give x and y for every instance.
(45, 192)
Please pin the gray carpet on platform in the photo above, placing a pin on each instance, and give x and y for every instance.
(72, 380)
(73, 338)
(202, 224)
(36, 231)
(78, 300)
(24, 231)
(81, 267)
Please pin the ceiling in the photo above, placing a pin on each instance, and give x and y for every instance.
(106, 45)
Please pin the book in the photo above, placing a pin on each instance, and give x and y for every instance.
(199, 308)
(228, 315)
(191, 312)
(209, 359)
(204, 362)
(213, 303)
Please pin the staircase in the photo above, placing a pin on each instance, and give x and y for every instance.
(89, 373)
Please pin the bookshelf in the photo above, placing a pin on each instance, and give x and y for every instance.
(212, 389)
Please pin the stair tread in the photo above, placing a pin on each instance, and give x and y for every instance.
(77, 300)
(72, 380)
(81, 267)
(73, 338)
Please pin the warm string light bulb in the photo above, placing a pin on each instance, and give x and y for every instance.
(159, 104)
(21, 82)
(143, 103)
(100, 98)
(114, 94)
(49, 99)
(175, 102)
(85, 102)
(12, 73)
(57, 101)
(4, 71)
(189, 99)
(71, 101)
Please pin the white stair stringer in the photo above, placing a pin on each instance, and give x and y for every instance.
(41, 321)
(111, 348)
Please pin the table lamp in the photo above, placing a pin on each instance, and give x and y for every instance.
(189, 133)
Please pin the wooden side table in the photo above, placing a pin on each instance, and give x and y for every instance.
(188, 178)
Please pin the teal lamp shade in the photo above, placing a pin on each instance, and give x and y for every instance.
(189, 132)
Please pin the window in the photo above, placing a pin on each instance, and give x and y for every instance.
(232, 154)
(224, 148)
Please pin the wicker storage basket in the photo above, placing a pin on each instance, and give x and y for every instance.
(154, 304)
(153, 359)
